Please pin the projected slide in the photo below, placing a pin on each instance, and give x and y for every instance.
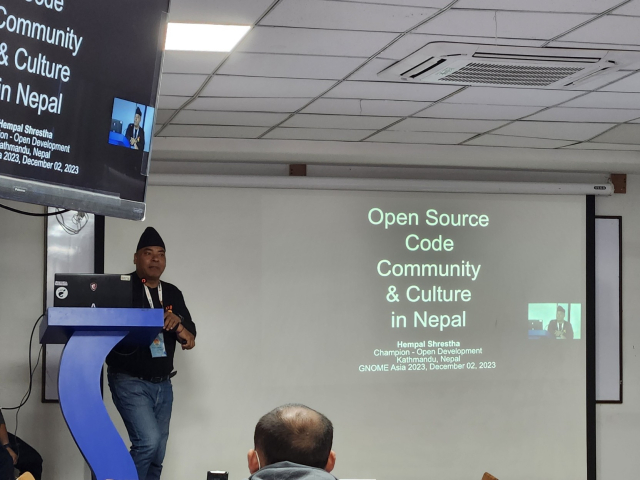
(443, 288)
(419, 307)
(426, 293)
(444, 335)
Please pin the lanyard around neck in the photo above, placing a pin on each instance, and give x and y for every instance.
(148, 292)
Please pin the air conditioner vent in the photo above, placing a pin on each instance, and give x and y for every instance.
(423, 68)
(520, 67)
(509, 75)
(536, 58)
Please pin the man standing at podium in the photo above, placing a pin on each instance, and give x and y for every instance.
(139, 376)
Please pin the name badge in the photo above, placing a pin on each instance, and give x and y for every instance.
(157, 347)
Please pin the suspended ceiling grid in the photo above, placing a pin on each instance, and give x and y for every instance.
(302, 86)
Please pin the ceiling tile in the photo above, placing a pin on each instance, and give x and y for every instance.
(420, 137)
(575, 6)
(554, 130)
(629, 84)
(305, 41)
(612, 115)
(606, 100)
(522, 142)
(232, 12)
(391, 91)
(166, 102)
(163, 115)
(181, 85)
(540, 26)
(602, 146)
(249, 119)
(337, 134)
(414, 41)
(291, 66)
(628, 133)
(349, 122)
(191, 62)
(512, 96)
(276, 105)
(339, 106)
(609, 29)
(477, 112)
(632, 8)
(446, 125)
(234, 86)
(212, 131)
(345, 15)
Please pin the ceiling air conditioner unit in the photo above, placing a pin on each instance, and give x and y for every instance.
(501, 66)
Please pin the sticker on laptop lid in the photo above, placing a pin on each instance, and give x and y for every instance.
(61, 283)
(125, 278)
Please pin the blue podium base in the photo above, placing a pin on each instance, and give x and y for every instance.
(90, 334)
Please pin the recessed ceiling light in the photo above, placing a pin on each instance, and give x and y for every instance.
(199, 37)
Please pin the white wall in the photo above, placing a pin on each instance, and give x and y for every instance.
(618, 425)
(21, 296)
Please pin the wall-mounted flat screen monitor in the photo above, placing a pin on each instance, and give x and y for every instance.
(78, 87)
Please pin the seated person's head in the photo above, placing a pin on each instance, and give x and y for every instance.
(293, 433)
(560, 313)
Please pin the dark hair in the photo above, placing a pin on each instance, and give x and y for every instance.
(294, 433)
(138, 111)
(561, 308)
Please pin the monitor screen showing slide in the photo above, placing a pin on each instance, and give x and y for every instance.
(443, 334)
(131, 136)
(67, 68)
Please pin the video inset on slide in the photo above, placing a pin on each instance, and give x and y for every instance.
(130, 123)
(559, 321)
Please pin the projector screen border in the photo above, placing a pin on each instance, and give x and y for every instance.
(378, 184)
(590, 338)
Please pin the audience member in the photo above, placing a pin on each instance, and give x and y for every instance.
(292, 442)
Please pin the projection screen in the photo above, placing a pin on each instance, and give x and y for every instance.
(443, 334)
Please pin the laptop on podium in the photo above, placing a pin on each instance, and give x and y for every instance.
(92, 290)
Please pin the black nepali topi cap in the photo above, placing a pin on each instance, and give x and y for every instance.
(138, 111)
(150, 238)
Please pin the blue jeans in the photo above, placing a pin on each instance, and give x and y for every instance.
(145, 408)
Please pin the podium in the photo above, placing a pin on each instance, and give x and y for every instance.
(89, 334)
